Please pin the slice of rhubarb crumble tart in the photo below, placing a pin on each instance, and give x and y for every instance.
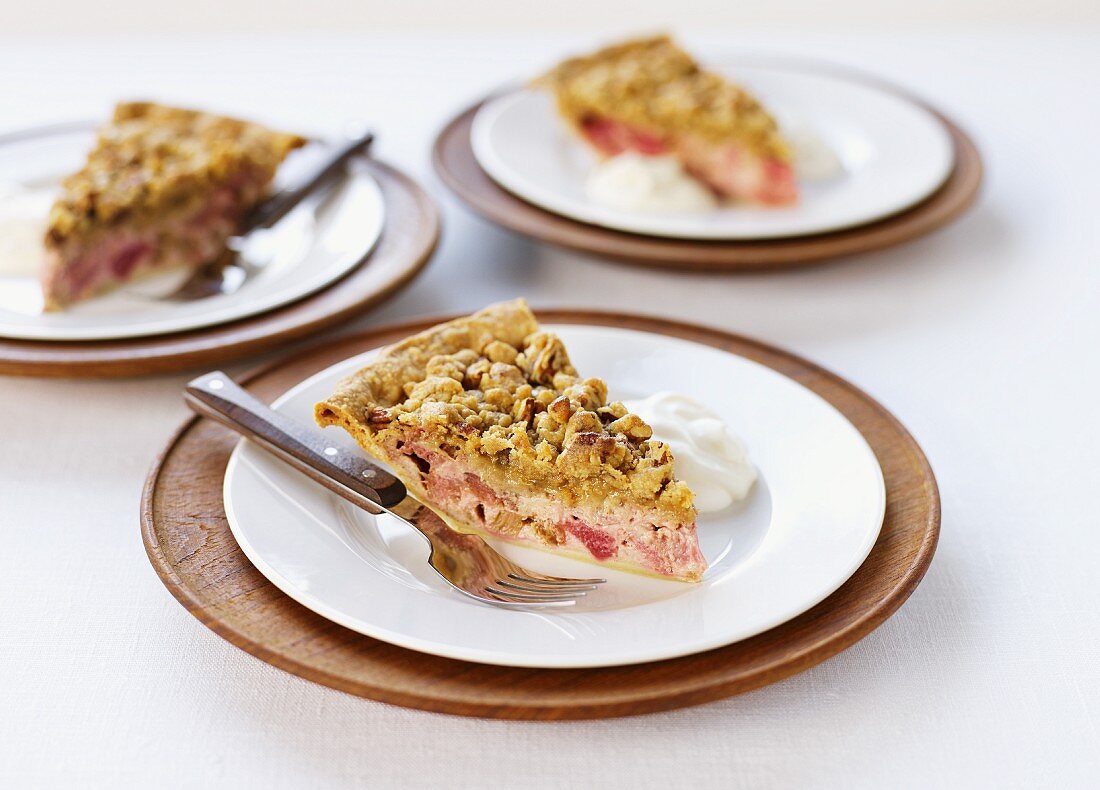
(486, 421)
(650, 97)
(162, 187)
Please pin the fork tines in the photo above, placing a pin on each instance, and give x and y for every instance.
(544, 590)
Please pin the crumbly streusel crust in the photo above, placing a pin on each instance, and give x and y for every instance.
(152, 159)
(497, 389)
(654, 85)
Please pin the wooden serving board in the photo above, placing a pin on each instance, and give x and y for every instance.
(409, 236)
(454, 161)
(188, 540)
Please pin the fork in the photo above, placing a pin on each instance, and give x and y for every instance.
(466, 562)
(227, 274)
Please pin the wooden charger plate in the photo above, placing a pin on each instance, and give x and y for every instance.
(188, 540)
(410, 232)
(456, 165)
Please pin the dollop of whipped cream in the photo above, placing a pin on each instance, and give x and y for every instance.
(647, 184)
(814, 160)
(23, 215)
(709, 456)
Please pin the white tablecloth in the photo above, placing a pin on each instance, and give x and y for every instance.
(981, 338)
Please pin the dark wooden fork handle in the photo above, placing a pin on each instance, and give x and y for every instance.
(344, 472)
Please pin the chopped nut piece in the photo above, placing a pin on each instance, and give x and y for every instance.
(632, 425)
(526, 410)
(501, 352)
(561, 409)
(544, 357)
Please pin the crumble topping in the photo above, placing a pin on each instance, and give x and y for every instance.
(654, 85)
(151, 159)
(497, 387)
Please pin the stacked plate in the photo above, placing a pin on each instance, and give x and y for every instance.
(329, 258)
(837, 531)
(814, 516)
(900, 170)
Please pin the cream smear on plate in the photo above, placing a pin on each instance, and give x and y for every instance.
(23, 214)
(710, 457)
(647, 184)
(814, 159)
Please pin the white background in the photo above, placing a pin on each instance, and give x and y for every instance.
(53, 17)
(981, 338)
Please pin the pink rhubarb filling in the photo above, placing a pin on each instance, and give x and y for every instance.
(730, 170)
(627, 535)
(80, 268)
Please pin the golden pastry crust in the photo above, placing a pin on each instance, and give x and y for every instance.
(653, 85)
(502, 393)
(151, 160)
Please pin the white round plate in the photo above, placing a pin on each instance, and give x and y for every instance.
(323, 239)
(894, 154)
(808, 524)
